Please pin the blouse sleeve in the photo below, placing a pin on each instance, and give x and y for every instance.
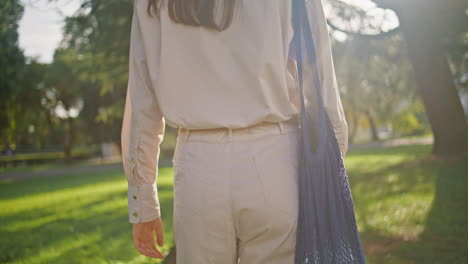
(143, 122)
(330, 92)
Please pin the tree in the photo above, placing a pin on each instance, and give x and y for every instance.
(32, 124)
(11, 64)
(64, 83)
(374, 79)
(431, 28)
(96, 41)
(99, 32)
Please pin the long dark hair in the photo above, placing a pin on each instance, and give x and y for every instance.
(196, 12)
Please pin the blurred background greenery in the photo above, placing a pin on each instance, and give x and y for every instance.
(402, 73)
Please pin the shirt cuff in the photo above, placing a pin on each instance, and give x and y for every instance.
(143, 203)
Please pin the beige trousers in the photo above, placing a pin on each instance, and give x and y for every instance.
(235, 194)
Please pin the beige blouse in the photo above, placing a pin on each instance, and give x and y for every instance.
(196, 78)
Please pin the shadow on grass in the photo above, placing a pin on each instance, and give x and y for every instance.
(445, 235)
(73, 219)
(410, 207)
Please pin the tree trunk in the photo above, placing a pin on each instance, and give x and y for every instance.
(373, 128)
(69, 140)
(436, 86)
(353, 132)
(51, 134)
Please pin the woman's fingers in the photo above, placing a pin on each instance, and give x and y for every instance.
(142, 249)
(151, 250)
(144, 238)
(147, 247)
(159, 232)
(155, 251)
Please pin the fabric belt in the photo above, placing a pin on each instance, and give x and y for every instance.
(280, 127)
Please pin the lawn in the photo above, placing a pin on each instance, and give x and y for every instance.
(409, 210)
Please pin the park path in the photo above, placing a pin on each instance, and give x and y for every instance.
(79, 169)
(394, 142)
(65, 171)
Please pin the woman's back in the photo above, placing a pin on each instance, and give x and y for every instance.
(238, 77)
(235, 188)
(196, 78)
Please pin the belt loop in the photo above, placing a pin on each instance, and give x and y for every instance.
(281, 127)
(230, 133)
(187, 132)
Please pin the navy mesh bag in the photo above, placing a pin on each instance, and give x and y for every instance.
(327, 232)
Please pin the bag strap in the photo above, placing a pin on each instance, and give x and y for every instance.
(303, 32)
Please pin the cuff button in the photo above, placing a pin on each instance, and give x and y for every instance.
(134, 197)
(135, 214)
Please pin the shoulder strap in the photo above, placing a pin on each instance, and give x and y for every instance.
(303, 41)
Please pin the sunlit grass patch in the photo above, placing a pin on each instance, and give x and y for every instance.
(406, 205)
(74, 219)
(409, 210)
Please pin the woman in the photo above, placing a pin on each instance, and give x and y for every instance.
(223, 73)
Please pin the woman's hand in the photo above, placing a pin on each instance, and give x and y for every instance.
(143, 237)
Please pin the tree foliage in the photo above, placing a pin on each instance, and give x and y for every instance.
(435, 34)
(99, 32)
(11, 63)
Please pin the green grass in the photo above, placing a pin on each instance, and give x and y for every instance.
(76, 219)
(24, 161)
(409, 210)
(45, 166)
